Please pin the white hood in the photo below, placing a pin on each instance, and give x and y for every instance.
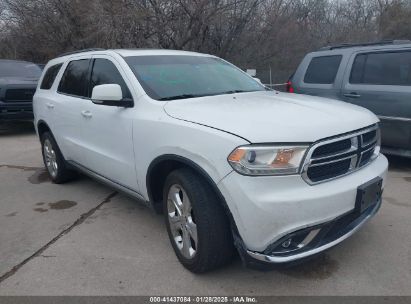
(269, 116)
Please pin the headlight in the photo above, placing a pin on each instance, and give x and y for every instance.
(267, 160)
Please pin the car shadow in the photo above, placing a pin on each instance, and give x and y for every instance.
(16, 128)
(398, 163)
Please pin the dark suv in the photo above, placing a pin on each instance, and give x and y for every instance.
(18, 81)
(376, 76)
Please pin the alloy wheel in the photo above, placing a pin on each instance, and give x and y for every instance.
(182, 221)
(50, 158)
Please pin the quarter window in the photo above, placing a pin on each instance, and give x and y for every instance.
(75, 78)
(389, 68)
(322, 70)
(50, 76)
(105, 72)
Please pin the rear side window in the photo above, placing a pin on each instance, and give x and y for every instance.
(50, 76)
(390, 68)
(75, 78)
(322, 70)
(105, 72)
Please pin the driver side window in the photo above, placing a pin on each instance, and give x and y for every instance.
(105, 72)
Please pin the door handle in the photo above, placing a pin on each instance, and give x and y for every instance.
(352, 95)
(50, 105)
(86, 114)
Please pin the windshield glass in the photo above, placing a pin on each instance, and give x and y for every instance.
(174, 77)
(19, 69)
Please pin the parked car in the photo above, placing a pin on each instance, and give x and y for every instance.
(376, 76)
(231, 164)
(18, 82)
(41, 66)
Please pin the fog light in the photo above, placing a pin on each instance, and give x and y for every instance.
(294, 241)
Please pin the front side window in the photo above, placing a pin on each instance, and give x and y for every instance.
(20, 69)
(105, 72)
(323, 70)
(390, 68)
(75, 78)
(50, 76)
(171, 77)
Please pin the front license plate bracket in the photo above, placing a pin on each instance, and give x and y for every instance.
(368, 194)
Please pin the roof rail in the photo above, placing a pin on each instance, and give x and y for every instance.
(349, 45)
(81, 51)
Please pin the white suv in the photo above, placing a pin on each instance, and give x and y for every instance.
(230, 163)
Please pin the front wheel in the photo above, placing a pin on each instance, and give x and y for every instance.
(196, 222)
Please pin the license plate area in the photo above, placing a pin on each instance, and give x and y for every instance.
(368, 194)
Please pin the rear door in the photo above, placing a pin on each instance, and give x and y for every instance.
(68, 120)
(381, 82)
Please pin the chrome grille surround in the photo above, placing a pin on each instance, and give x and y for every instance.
(365, 147)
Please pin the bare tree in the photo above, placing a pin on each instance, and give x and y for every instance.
(250, 33)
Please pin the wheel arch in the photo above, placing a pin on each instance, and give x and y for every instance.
(42, 127)
(157, 173)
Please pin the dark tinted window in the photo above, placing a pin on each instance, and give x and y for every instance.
(75, 78)
(357, 70)
(50, 76)
(322, 70)
(105, 72)
(392, 68)
(20, 69)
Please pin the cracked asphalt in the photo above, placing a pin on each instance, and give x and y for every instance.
(83, 238)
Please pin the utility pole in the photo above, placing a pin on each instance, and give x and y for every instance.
(271, 81)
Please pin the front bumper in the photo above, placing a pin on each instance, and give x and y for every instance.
(330, 239)
(16, 111)
(268, 209)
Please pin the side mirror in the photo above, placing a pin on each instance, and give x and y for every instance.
(109, 95)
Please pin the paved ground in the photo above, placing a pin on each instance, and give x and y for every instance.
(82, 238)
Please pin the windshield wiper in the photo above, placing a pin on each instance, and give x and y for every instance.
(182, 96)
(234, 91)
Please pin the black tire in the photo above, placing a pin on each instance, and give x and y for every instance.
(62, 173)
(215, 245)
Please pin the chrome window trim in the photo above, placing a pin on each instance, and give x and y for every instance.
(355, 159)
(394, 118)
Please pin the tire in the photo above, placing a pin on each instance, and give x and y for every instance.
(206, 219)
(54, 161)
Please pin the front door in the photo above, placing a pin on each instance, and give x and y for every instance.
(109, 149)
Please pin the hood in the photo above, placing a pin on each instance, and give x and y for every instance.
(32, 82)
(270, 116)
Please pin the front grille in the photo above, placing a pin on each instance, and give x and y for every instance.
(332, 158)
(19, 95)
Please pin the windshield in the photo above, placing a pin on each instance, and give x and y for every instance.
(175, 77)
(19, 69)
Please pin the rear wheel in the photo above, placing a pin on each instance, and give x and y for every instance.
(54, 160)
(198, 228)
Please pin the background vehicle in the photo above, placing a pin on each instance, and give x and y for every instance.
(376, 76)
(229, 162)
(18, 82)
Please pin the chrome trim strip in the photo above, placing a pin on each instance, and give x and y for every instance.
(309, 238)
(333, 161)
(354, 166)
(394, 118)
(285, 259)
(347, 151)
